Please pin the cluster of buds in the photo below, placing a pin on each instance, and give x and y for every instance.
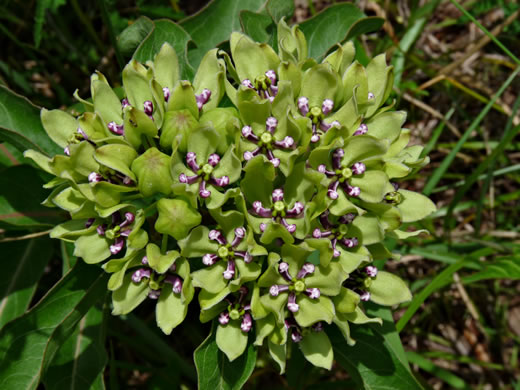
(268, 210)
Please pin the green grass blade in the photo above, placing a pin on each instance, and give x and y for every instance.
(441, 170)
(438, 282)
(444, 375)
(485, 31)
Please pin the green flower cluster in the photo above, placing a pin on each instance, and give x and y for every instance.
(266, 186)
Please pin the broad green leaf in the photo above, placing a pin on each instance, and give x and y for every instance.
(26, 261)
(329, 27)
(81, 360)
(256, 25)
(215, 23)
(372, 362)
(29, 343)
(165, 31)
(20, 124)
(21, 197)
(132, 36)
(215, 372)
(280, 8)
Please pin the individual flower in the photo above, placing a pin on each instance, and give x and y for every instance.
(297, 287)
(228, 255)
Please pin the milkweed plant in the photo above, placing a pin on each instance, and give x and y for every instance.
(259, 193)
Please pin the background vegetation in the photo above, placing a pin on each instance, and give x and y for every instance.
(456, 65)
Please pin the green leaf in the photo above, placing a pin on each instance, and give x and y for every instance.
(29, 343)
(215, 372)
(280, 8)
(364, 26)
(165, 31)
(81, 360)
(317, 349)
(214, 24)
(134, 34)
(20, 124)
(256, 25)
(329, 27)
(21, 197)
(26, 261)
(372, 362)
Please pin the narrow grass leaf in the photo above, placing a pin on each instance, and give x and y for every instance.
(438, 282)
(441, 170)
(444, 375)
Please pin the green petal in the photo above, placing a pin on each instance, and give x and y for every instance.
(327, 279)
(118, 268)
(313, 310)
(263, 327)
(317, 349)
(367, 229)
(177, 127)
(346, 301)
(278, 354)
(197, 244)
(378, 75)
(373, 185)
(152, 169)
(118, 157)
(166, 66)
(138, 125)
(203, 142)
(129, 296)
(210, 75)
(176, 218)
(106, 102)
(231, 340)
(183, 98)
(251, 59)
(92, 248)
(210, 278)
(257, 183)
(386, 125)
(59, 125)
(207, 300)
(320, 83)
(388, 289)
(355, 83)
(159, 262)
(415, 206)
(359, 317)
(169, 311)
(137, 86)
(275, 305)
